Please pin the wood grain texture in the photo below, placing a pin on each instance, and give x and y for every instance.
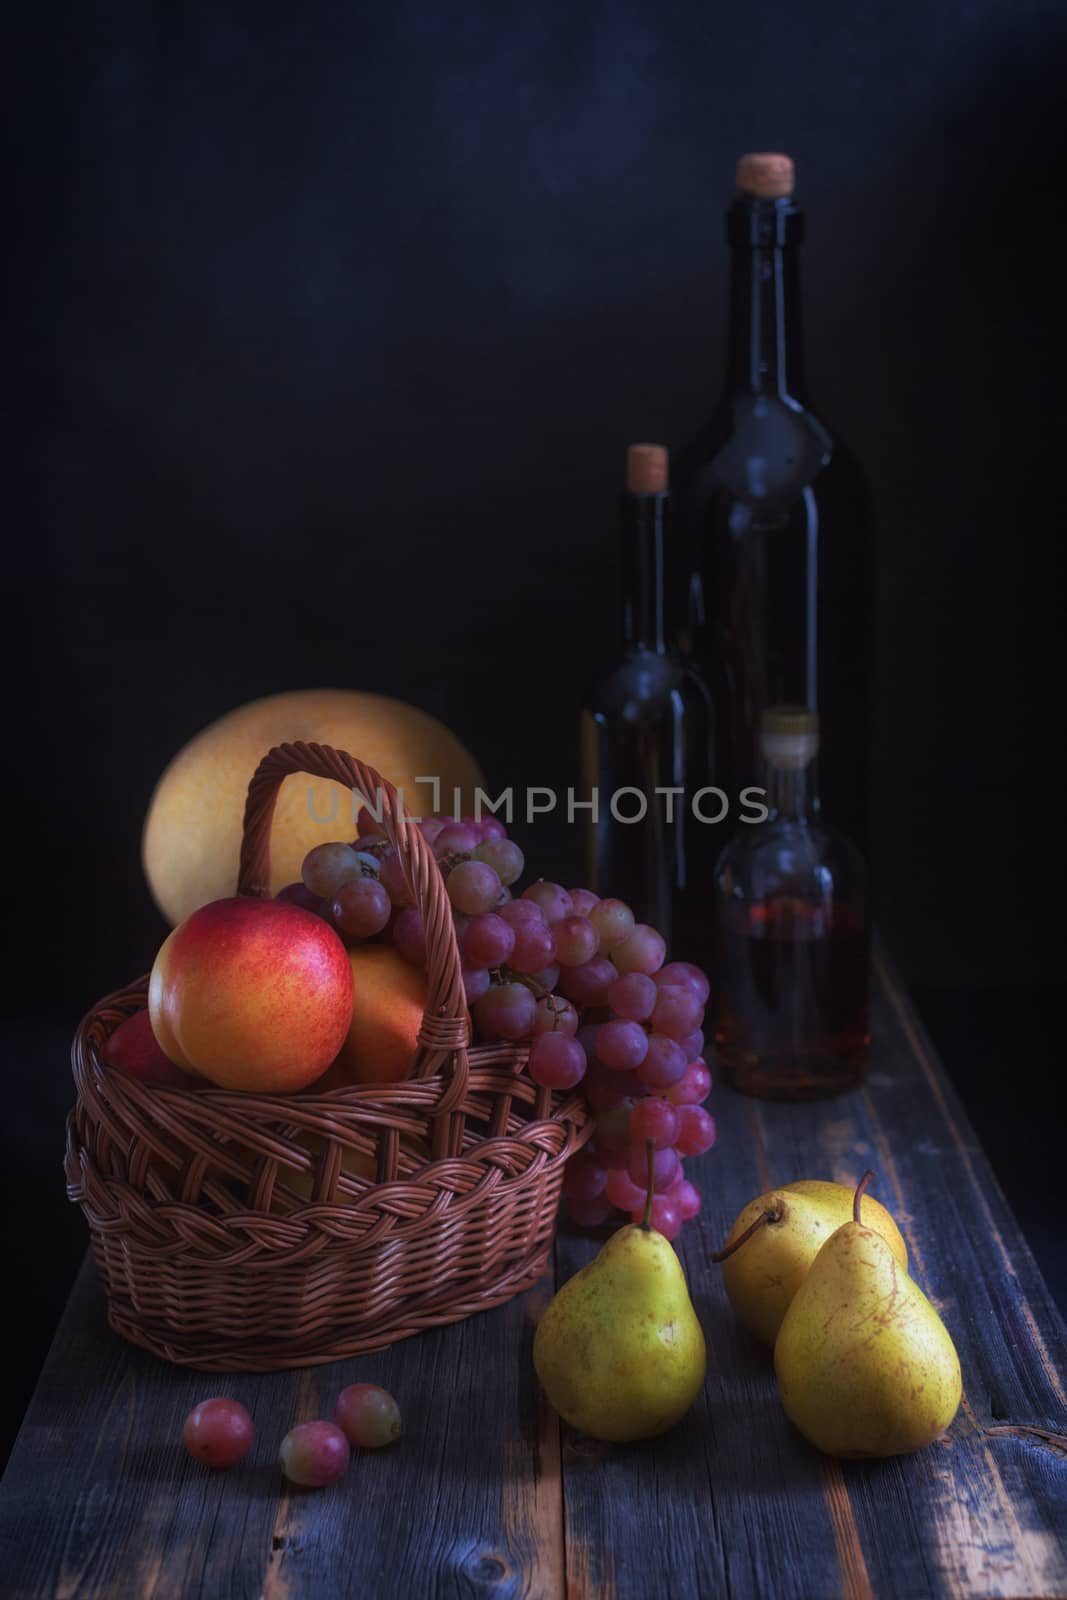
(484, 1497)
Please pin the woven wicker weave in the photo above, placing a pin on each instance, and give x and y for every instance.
(228, 1231)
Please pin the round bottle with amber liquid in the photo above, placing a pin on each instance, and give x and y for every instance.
(791, 935)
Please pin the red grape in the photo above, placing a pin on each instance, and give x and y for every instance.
(456, 837)
(576, 941)
(664, 1064)
(409, 936)
(655, 1119)
(553, 899)
(487, 941)
(693, 1044)
(666, 1217)
(684, 974)
(557, 1061)
(606, 1090)
(506, 1011)
(548, 977)
(633, 996)
(432, 828)
(583, 1178)
(611, 1130)
(503, 855)
(534, 947)
(697, 1131)
(395, 883)
(493, 828)
(473, 887)
(623, 1192)
(584, 901)
(642, 950)
(678, 1012)
(589, 1213)
(218, 1432)
(665, 1165)
(587, 985)
(476, 826)
(327, 866)
(693, 1087)
(367, 1416)
(298, 894)
(553, 1014)
(516, 911)
(613, 921)
(687, 1198)
(314, 1454)
(360, 908)
(476, 981)
(622, 1045)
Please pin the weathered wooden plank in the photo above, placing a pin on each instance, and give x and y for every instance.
(100, 1499)
(735, 1499)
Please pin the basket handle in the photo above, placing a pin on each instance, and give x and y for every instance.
(445, 1031)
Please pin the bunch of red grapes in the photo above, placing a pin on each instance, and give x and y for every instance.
(571, 974)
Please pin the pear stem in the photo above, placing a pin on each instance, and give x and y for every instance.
(646, 1220)
(772, 1214)
(857, 1198)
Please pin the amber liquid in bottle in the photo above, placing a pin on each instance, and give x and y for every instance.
(791, 937)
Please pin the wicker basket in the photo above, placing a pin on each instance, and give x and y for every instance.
(228, 1232)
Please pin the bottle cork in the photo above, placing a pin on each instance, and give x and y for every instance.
(646, 469)
(765, 175)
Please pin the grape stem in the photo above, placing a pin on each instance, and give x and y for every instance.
(858, 1197)
(646, 1220)
(529, 980)
(772, 1214)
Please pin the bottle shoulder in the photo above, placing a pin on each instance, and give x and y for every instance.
(770, 858)
(762, 450)
(648, 680)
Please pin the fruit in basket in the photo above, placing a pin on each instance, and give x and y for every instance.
(314, 1454)
(218, 1432)
(252, 994)
(390, 998)
(865, 1365)
(133, 1047)
(787, 1227)
(192, 833)
(619, 1351)
(368, 1417)
(535, 966)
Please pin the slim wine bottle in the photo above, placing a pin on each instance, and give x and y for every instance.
(647, 738)
(776, 517)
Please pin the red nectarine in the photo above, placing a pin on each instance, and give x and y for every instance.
(133, 1047)
(252, 994)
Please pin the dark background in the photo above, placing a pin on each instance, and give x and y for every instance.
(330, 324)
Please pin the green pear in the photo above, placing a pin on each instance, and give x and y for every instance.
(865, 1365)
(789, 1226)
(619, 1351)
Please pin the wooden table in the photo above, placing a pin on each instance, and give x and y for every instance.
(482, 1496)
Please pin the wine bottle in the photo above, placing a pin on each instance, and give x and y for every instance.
(776, 517)
(647, 738)
(790, 990)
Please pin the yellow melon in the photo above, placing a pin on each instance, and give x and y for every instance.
(192, 834)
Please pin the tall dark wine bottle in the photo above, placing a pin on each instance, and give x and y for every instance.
(647, 739)
(776, 517)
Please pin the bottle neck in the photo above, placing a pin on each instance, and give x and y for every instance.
(792, 792)
(645, 519)
(765, 345)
